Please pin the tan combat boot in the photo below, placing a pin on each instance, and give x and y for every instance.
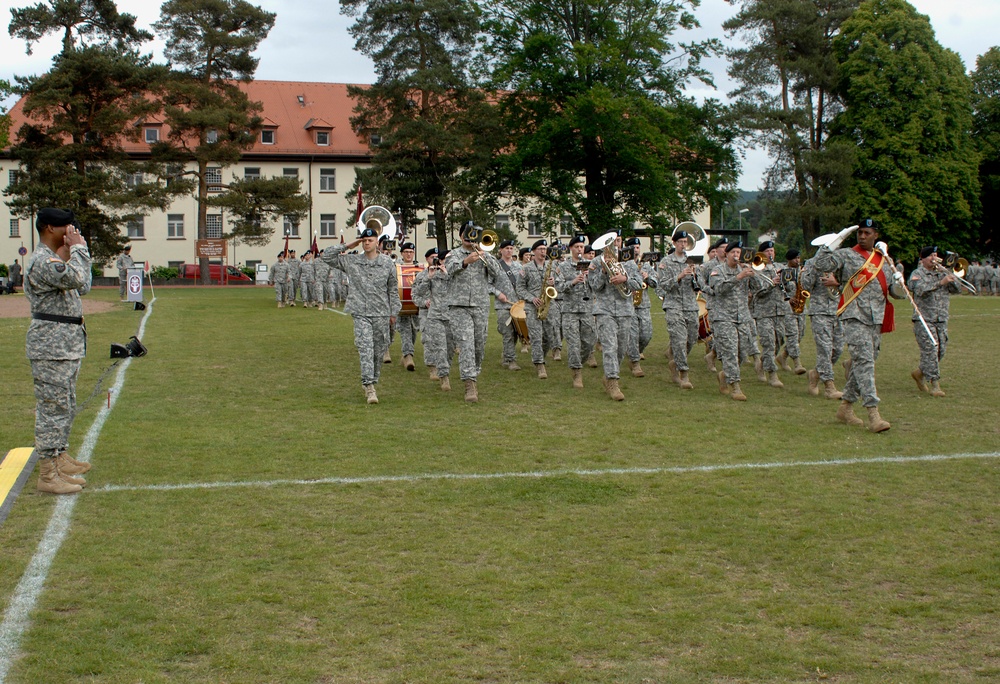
(845, 414)
(370, 396)
(432, 372)
(674, 375)
(322, 306)
(876, 423)
(773, 381)
(918, 377)
(685, 382)
(445, 383)
(577, 378)
(723, 386)
(710, 360)
(735, 393)
(513, 366)
(540, 368)
(831, 391)
(813, 382)
(557, 354)
(67, 471)
(614, 391)
(387, 358)
(936, 390)
(281, 305)
(637, 371)
(75, 467)
(758, 366)
(471, 392)
(591, 361)
(49, 480)
(797, 366)
(782, 359)
(408, 362)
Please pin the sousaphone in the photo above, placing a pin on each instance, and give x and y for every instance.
(381, 219)
(701, 244)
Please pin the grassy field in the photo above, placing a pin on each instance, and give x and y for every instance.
(871, 572)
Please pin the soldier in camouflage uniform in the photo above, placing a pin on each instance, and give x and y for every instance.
(730, 318)
(471, 272)
(530, 287)
(642, 320)
(123, 264)
(322, 285)
(295, 271)
(307, 280)
(373, 302)
(501, 305)
(408, 325)
(577, 309)
(716, 256)
(931, 288)
(769, 309)
(56, 274)
(864, 319)
(430, 257)
(280, 277)
(827, 330)
(676, 287)
(614, 311)
(795, 323)
(430, 289)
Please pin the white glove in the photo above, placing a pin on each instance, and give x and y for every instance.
(882, 248)
(897, 277)
(841, 236)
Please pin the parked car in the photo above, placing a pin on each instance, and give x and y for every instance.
(233, 274)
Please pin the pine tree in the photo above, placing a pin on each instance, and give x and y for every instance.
(986, 133)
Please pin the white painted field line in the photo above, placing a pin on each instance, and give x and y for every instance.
(423, 477)
(22, 602)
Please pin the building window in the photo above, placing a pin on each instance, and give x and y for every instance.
(175, 264)
(174, 173)
(213, 226)
(501, 222)
(133, 180)
(267, 136)
(251, 173)
(175, 226)
(534, 226)
(323, 138)
(431, 227)
(327, 180)
(15, 227)
(152, 135)
(137, 229)
(11, 176)
(290, 172)
(291, 226)
(566, 226)
(328, 225)
(213, 178)
(211, 136)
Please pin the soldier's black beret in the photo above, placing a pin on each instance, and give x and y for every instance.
(366, 233)
(791, 254)
(578, 240)
(733, 245)
(407, 245)
(868, 223)
(523, 251)
(50, 216)
(632, 241)
(766, 244)
(506, 243)
(679, 235)
(927, 251)
(539, 243)
(718, 243)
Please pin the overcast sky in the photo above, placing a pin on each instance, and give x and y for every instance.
(310, 42)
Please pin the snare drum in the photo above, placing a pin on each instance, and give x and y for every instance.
(519, 321)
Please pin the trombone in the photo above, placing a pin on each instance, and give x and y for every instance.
(957, 266)
(757, 262)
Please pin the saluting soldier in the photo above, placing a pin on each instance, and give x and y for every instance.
(642, 320)
(530, 287)
(577, 309)
(502, 303)
(730, 317)
(676, 286)
(866, 313)
(614, 311)
(280, 277)
(471, 271)
(827, 330)
(373, 301)
(932, 289)
(56, 274)
(769, 309)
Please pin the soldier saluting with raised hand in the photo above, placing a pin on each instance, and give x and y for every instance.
(57, 273)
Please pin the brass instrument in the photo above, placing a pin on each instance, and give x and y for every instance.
(380, 219)
(613, 267)
(801, 296)
(637, 295)
(548, 293)
(958, 267)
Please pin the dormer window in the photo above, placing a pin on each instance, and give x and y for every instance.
(267, 136)
(321, 131)
(151, 135)
(323, 138)
(212, 136)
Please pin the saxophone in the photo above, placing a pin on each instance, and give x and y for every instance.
(548, 292)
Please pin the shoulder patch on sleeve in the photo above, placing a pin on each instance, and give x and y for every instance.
(60, 266)
(914, 277)
(714, 273)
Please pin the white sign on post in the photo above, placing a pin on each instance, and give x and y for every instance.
(133, 284)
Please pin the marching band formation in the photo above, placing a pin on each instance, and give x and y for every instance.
(739, 302)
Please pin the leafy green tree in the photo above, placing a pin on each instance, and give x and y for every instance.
(211, 45)
(81, 114)
(5, 91)
(258, 204)
(785, 103)
(431, 123)
(908, 113)
(599, 127)
(986, 133)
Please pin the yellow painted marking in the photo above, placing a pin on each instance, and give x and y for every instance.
(11, 469)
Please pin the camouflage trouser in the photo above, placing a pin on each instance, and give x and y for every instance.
(279, 292)
(296, 290)
(640, 334)
(729, 340)
(407, 326)
(308, 291)
(770, 330)
(864, 341)
(371, 337)
(578, 330)
(930, 356)
(828, 334)
(614, 333)
(540, 333)
(795, 328)
(682, 327)
(55, 404)
(320, 292)
(422, 325)
(554, 326)
(505, 326)
(468, 329)
(748, 340)
(438, 344)
(287, 291)
(121, 287)
(330, 292)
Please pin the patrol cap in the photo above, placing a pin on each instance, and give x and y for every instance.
(733, 245)
(766, 244)
(868, 223)
(578, 240)
(927, 251)
(368, 232)
(791, 254)
(539, 243)
(718, 243)
(506, 243)
(407, 245)
(431, 252)
(632, 241)
(50, 216)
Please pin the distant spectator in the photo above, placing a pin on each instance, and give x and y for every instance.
(13, 277)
